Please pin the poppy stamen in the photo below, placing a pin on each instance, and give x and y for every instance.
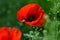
(31, 18)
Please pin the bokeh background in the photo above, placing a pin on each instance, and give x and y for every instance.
(51, 29)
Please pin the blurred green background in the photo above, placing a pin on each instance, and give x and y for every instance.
(9, 8)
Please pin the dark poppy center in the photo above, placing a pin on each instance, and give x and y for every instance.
(31, 18)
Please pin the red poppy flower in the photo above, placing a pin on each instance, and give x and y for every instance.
(10, 34)
(32, 14)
